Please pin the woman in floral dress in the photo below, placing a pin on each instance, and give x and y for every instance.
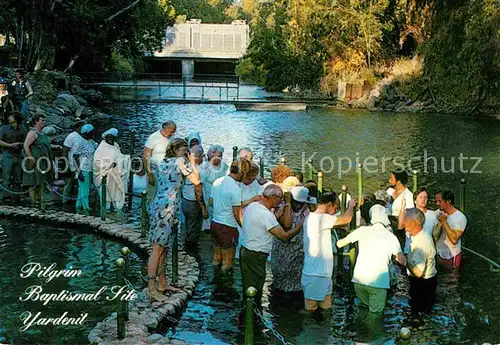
(287, 258)
(172, 172)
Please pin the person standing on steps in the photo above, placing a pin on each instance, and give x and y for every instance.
(83, 155)
(22, 92)
(171, 173)
(38, 153)
(154, 153)
(11, 140)
(68, 144)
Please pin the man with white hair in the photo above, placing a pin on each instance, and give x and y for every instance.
(246, 153)
(421, 263)
(377, 246)
(259, 228)
(154, 152)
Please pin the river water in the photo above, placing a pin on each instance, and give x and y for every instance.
(444, 148)
(468, 307)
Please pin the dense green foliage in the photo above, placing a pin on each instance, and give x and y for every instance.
(313, 44)
(49, 33)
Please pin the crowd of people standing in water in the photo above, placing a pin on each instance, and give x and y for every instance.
(287, 221)
(284, 221)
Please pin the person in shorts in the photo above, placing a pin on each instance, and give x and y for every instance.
(227, 215)
(317, 272)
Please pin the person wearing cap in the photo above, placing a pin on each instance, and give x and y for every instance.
(83, 156)
(11, 141)
(69, 179)
(287, 258)
(377, 246)
(154, 153)
(317, 272)
(258, 230)
(110, 162)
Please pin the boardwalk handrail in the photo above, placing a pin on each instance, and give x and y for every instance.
(96, 77)
(491, 262)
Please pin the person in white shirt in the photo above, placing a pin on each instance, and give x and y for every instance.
(317, 272)
(212, 169)
(400, 198)
(68, 144)
(154, 153)
(421, 263)
(83, 154)
(448, 233)
(377, 245)
(431, 220)
(226, 201)
(251, 190)
(259, 228)
(192, 204)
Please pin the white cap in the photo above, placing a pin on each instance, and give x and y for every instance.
(301, 194)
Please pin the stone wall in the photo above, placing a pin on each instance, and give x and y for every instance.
(143, 315)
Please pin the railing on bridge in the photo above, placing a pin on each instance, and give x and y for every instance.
(163, 86)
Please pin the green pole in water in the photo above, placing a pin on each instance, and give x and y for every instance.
(42, 192)
(360, 185)
(261, 167)
(144, 213)
(175, 252)
(125, 252)
(120, 313)
(131, 173)
(320, 183)
(251, 292)
(104, 193)
(462, 195)
(343, 204)
(415, 181)
(310, 171)
(235, 153)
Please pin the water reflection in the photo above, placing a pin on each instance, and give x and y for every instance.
(355, 134)
(23, 243)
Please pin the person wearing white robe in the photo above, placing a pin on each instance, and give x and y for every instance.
(110, 162)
